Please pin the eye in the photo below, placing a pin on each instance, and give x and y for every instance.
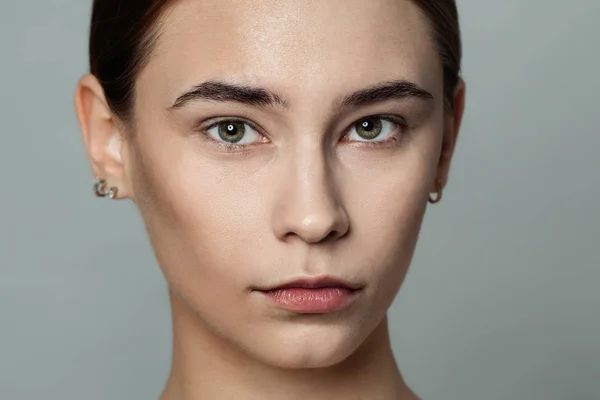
(233, 132)
(370, 128)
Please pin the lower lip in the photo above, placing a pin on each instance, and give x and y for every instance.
(312, 301)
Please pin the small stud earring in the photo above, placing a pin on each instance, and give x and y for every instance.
(101, 190)
(439, 193)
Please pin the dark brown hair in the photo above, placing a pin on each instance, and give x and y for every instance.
(123, 33)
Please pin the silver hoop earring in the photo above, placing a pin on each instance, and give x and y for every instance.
(101, 190)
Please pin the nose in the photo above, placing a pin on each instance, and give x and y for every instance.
(308, 204)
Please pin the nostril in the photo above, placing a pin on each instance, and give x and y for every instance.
(336, 234)
(333, 235)
(313, 236)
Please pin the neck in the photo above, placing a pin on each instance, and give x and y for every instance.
(205, 366)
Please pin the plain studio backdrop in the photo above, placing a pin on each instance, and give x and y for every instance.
(502, 300)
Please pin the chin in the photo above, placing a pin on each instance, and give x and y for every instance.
(302, 347)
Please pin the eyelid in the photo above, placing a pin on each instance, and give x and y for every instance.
(397, 119)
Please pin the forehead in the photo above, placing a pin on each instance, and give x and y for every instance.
(312, 45)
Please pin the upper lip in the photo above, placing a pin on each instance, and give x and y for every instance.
(314, 283)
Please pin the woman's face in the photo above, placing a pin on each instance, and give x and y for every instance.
(309, 148)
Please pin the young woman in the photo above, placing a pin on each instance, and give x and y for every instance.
(282, 154)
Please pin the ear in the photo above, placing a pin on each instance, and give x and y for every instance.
(103, 135)
(451, 129)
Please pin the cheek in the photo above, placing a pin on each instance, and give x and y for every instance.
(198, 216)
(387, 206)
(389, 221)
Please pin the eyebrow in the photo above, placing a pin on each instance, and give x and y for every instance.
(391, 90)
(261, 97)
(227, 92)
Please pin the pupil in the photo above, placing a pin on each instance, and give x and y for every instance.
(367, 125)
(231, 129)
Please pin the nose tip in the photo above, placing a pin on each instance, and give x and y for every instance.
(315, 228)
(318, 220)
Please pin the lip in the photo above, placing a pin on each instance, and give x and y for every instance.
(319, 295)
(314, 283)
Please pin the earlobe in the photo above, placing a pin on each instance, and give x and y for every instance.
(101, 133)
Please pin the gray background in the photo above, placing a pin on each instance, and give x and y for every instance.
(501, 302)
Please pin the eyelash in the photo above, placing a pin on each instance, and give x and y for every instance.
(400, 129)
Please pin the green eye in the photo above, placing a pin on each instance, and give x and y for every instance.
(232, 131)
(369, 128)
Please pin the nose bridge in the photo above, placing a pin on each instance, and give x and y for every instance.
(309, 205)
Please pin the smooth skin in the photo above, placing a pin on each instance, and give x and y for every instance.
(302, 194)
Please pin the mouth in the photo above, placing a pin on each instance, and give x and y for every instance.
(319, 295)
